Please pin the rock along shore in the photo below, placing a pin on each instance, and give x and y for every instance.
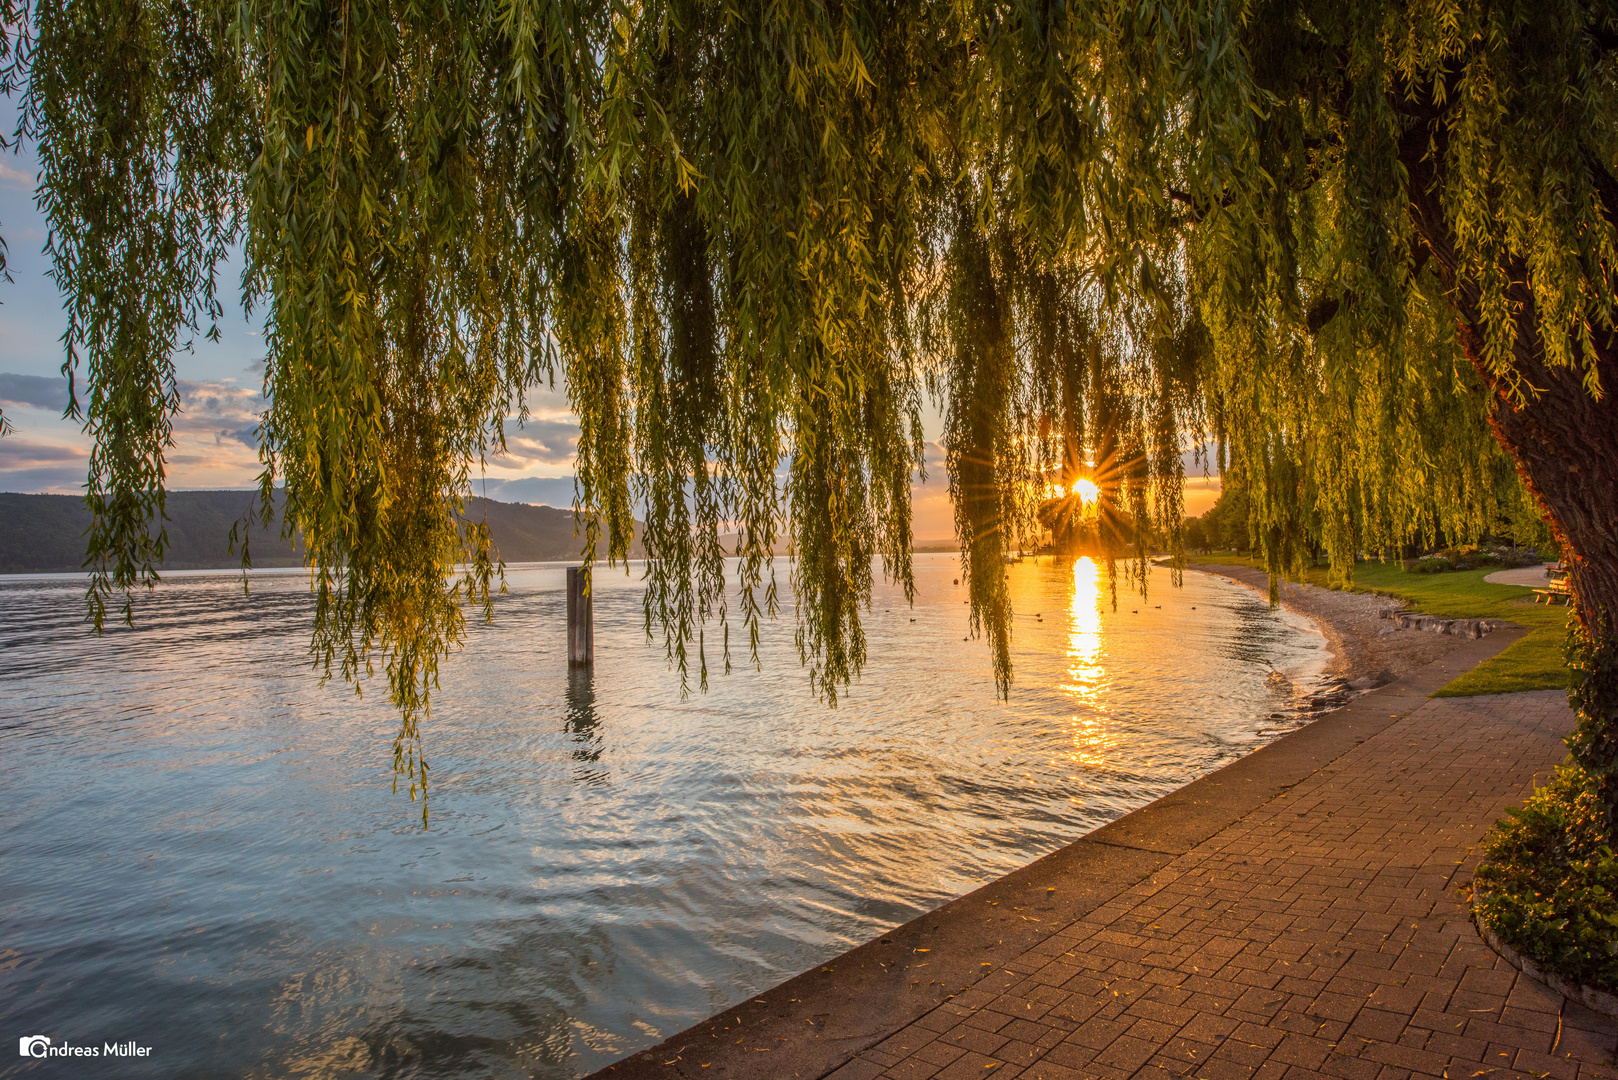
(1366, 639)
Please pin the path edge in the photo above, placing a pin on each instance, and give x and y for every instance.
(1598, 1000)
(813, 1024)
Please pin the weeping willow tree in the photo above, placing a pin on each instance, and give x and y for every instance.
(1364, 249)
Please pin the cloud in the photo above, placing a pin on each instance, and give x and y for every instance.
(60, 480)
(215, 437)
(541, 445)
(20, 453)
(215, 444)
(42, 465)
(1200, 461)
(932, 516)
(538, 490)
(35, 391)
(219, 399)
(10, 175)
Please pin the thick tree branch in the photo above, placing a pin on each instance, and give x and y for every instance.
(1606, 186)
(1323, 312)
(1200, 208)
(1604, 38)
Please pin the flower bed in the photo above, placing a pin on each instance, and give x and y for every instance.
(1548, 886)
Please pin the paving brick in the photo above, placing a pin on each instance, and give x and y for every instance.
(1335, 1006)
(972, 1066)
(1029, 1031)
(1070, 1055)
(1455, 1046)
(1324, 934)
(1223, 1070)
(939, 1053)
(1050, 1070)
(1378, 1024)
(1302, 1050)
(1251, 1054)
(1535, 1064)
(1016, 1052)
(987, 1020)
(1126, 1052)
(1349, 1068)
(1097, 1034)
(857, 1069)
(1401, 999)
(971, 1038)
(1515, 1037)
(1489, 981)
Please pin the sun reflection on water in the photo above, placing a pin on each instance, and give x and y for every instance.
(1087, 676)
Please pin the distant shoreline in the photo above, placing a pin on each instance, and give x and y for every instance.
(46, 534)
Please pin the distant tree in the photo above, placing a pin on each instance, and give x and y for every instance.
(1196, 535)
(1365, 247)
(1227, 522)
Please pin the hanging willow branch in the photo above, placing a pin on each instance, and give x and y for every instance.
(1357, 250)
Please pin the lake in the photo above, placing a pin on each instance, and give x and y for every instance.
(202, 852)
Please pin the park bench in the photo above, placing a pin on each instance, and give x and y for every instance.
(1556, 591)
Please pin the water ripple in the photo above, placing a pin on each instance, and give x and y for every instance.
(202, 852)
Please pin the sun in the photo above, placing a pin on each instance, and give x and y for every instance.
(1086, 490)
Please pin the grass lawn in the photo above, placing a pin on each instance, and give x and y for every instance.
(1534, 662)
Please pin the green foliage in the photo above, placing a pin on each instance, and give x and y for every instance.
(1197, 536)
(748, 238)
(1548, 886)
(1462, 594)
(1533, 662)
(1226, 523)
(1592, 661)
(1471, 556)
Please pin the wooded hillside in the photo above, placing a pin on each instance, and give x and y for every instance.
(46, 533)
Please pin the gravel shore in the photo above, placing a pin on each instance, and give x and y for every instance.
(1367, 648)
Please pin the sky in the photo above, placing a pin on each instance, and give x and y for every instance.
(220, 383)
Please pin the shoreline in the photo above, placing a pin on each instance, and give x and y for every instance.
(1368, 649)
(941, 963)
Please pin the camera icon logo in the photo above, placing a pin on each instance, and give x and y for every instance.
(33, 1046)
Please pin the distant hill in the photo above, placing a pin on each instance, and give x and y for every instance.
(42, 534)
(526, 533)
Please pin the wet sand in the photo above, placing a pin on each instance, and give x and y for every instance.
(1367, 648)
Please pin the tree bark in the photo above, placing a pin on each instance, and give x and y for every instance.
(1564, 440)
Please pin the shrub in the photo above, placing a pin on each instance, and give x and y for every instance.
(1514, 557)
(1548, 886)
(1473, 557)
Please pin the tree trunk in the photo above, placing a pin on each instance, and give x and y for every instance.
(1564, 441)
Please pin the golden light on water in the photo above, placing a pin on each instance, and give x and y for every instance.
(1087, 677)
(1084, 618)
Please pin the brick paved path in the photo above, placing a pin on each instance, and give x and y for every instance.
(1323, 934)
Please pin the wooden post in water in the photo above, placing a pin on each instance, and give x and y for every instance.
(581, 639)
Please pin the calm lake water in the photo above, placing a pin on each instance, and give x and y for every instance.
(200, 851)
